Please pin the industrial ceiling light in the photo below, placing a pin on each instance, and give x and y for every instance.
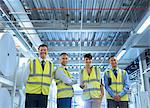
(144, 26)
(121, 54)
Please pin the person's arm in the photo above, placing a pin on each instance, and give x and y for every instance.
(63, 77)
(82, 85)
(52, 71)
(26, 73)
(109, 90)
(126, 84)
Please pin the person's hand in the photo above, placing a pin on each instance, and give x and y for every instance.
(102, 91)
(117, 98)
(101, 96)
(82, 86)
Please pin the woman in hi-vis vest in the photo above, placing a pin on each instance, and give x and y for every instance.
(90, 82)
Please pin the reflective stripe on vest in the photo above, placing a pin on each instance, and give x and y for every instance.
(91, 89)
(46, 84)
(117, 84)
(94, 81)
(91, 80)
(64, 90)
(39, 80)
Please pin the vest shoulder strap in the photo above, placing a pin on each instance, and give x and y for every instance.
(82, 71)
(54, 72)
(96, 73)
(68, 73)
(50, 68)
(96, 70)
(108, 73)
(34, 66)
(124, 72)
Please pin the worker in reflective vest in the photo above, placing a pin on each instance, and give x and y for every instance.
(64, 81)
(90, 82)
(117, 85)
(39, 72)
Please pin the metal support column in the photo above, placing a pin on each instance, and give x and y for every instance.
(141, 74)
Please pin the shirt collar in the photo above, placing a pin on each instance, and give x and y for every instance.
(64, 67)
(115, 68)
(42, 59)
(61, 66)
(90, 67)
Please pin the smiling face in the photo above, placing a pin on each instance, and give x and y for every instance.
(43, 52)
(113, 61)
(64, 59)
(87, 61)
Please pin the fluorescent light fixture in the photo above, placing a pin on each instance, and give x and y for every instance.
(19, 44)
(121, 54)
(144, 26)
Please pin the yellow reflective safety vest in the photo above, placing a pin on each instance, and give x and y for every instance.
(117, 84)
(39, 80)
(92, 82)
(63, 90)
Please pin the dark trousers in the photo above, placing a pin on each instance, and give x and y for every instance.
(64, 102)
(36, 101)
(114, 104)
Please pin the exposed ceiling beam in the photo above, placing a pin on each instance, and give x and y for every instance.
(110, 27)
(86, 30)
(55, 49)
(135, 40)
(80, 52)
(132, 52)
(142, 21)
(52, 26)
(136, 8)
(82, 64)
(76, 62)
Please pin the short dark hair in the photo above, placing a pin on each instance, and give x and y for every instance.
(43, 45)
(111, 57)
(63, 54)
(88, 56)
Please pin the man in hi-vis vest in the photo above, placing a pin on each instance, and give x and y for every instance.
(117, 85)
(90, 82)
(64, 81)
(38, 79)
